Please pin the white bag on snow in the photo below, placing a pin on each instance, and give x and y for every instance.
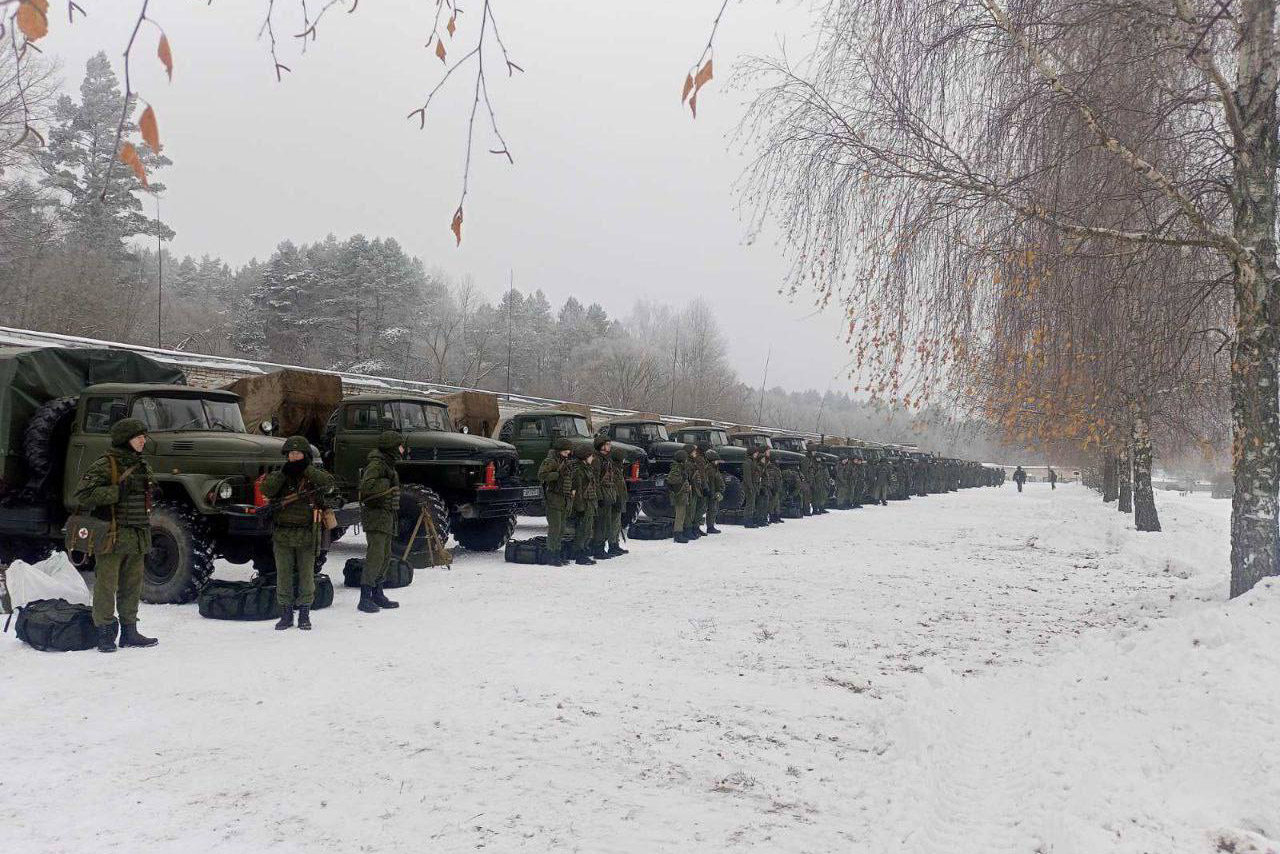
(54, 578)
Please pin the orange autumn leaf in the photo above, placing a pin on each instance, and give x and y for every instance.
(166, 55)
(456, 225)
(693, 104)
(33, 19)
(129, 157)
(688, 87)
(440, 52)
(150, 129)
(453, 23)
(704, 75)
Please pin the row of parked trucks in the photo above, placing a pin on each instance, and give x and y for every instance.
(211, 448)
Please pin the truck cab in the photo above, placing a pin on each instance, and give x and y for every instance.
(756, 439)
(533, 433)
(470, 484)
(646, 433)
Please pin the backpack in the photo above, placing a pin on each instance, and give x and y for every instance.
(532, 551)
(399, 573)
(651, 529)
(56, 625)
(253, 600)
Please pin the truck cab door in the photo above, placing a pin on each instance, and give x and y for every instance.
(532, 439)
(355, 435)
(90, 439)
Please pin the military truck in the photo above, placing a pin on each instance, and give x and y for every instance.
(647, 433)
(532, 433)
(470, 484)
(57, 406)
(731, 457)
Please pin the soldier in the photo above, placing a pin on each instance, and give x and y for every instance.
(880, 484)
(379, 512)
(1019, 477)
(118, 487)
(1053, 478)
(618, 474)
(299, 492)
(844, 484)
(858, 479)
(600, 470)
(697, 493)
(586, 495)
(752, 473)
(715, 487)
(821, 483)
(806, 471)
(556, 476)
(773, 511)
(793, 487)
(678, 487)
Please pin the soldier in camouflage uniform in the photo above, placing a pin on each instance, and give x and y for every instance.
(858, 477)
(697, 492)
(118, 487)
(773, 512)
(586, 498)
(618, 477)
(715, 487)
(752, 474)
(679, 488)
(556, 476)
(880, 482)
(844, 484)
(607, 495)
(379, 516)
(821, 484)
(299, 491)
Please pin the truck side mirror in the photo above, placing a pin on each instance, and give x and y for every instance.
(267, 427)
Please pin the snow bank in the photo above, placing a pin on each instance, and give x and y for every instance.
(976, 672)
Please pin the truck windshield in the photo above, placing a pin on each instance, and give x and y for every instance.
(714, 438)
(790, 445)
(188, 413)
(652, 432)
(420, 416)
(753, 442)
(565, 425)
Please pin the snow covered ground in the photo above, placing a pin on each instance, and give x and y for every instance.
(975, 672)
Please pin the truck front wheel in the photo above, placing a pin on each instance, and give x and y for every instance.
(414, 498)
(181, 556)
(484, 535)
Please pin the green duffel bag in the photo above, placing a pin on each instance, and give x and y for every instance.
(399, 573)
(253, 600)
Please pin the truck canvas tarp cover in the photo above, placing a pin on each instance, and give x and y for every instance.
(299, 402)
(32, 376)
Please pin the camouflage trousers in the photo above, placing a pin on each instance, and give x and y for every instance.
(697, 510)
(713, 511)
(764, 500)
(608, 524)
(584, 525)
(117, 586)
(377, 556)
(680, 501)
(556, 513)
(295, 564)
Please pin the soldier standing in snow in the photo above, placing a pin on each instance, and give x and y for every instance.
(1019, 477)
(379, 511)
(715, 486)
(679, 489)
(298, 491)
(118, 487)
(586, 496)
(600, 469)
(752, 472)
(1053, 478)
(618, 474)
(556, 476)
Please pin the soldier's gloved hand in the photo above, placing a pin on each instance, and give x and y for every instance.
(719, 496)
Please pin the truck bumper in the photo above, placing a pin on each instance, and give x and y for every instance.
(496, 503)
(644, 490)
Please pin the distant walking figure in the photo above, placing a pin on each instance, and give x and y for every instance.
(1019, 477)
(1053, 478)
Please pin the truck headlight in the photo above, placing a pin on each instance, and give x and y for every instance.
(225, 491)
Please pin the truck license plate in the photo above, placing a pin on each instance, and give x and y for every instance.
(660, 482)
(533, 492)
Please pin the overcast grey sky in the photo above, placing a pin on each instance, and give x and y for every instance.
(615, 193)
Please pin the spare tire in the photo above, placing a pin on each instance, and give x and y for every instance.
(44, 443)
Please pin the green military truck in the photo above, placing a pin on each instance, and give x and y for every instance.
(649, 435)
(533, 432)
(786, 459)
(57, 406)
(470, 484)
(731, 459)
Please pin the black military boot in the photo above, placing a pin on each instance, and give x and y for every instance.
(129, 636)
(584, 559)
(712, 529)
(366, 603)
(304, 617)
(694, 533)
(599, 553)
(107, 637)
(749, 523)
(616, 549)
(286, 619)
(556, 558)
(380, 599)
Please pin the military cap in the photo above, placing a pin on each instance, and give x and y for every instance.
(389, 440)
(583, 451)
(296, 443)
(126, 429)
(682, 455)
(601, 441)
(562, 444)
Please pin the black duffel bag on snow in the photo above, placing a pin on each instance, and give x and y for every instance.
(399, 573)
(253, 600)
(651, 529)
(532, 551)
(55, 625)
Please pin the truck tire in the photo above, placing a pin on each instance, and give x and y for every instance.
(413, 498)
(181, 556)
(732, 494)
(484, 535)
(44, 443)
